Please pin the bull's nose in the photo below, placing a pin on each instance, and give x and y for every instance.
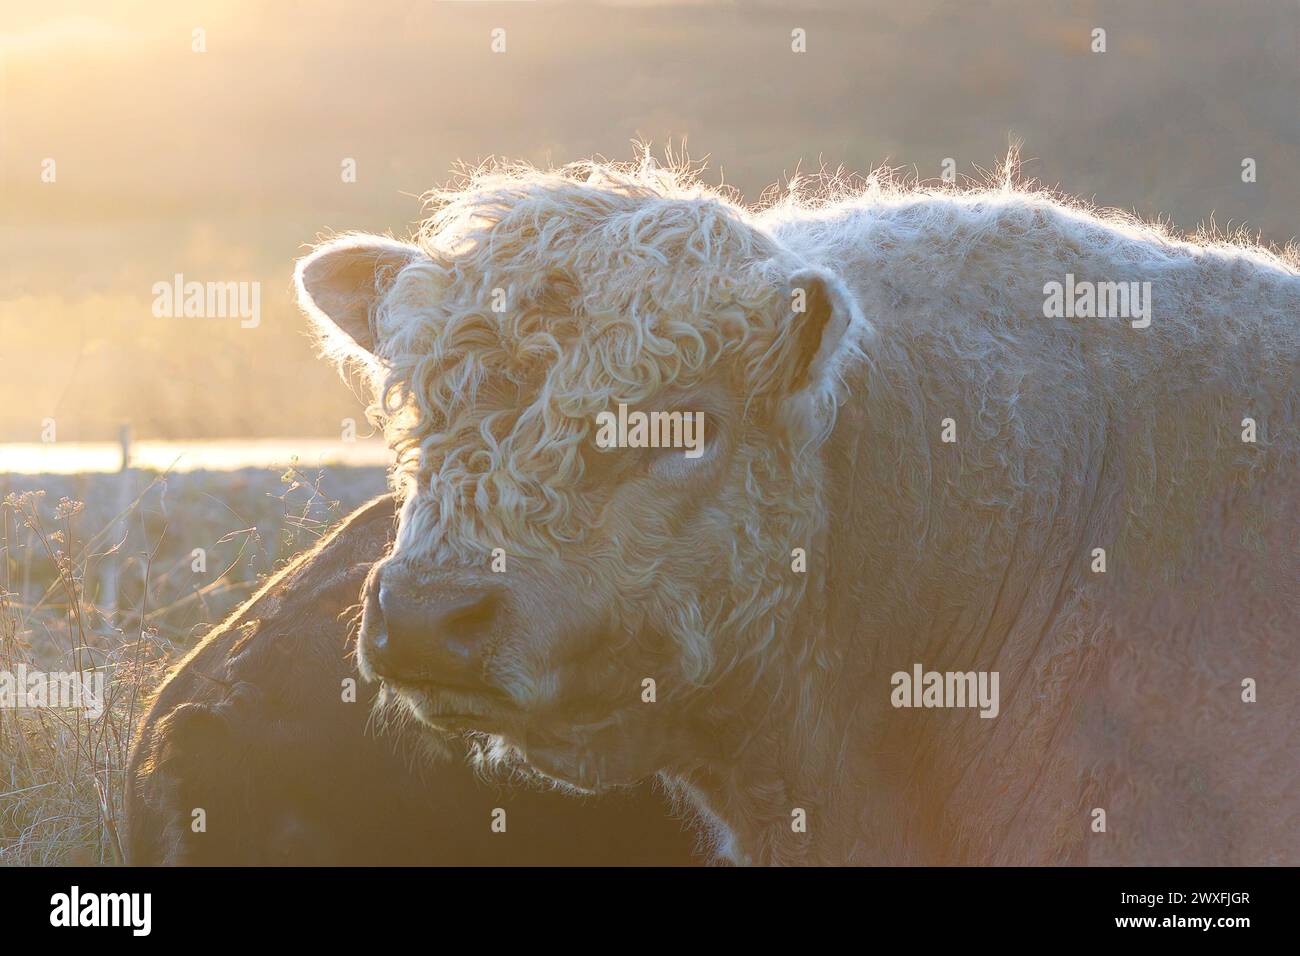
(427, 638)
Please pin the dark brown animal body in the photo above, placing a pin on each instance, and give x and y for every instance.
(253, 729)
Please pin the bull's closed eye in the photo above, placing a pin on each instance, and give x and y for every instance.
(694, 449)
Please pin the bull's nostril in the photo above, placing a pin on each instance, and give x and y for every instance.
(385, 602)
(394, 639)
(471, 618)
(435, 636)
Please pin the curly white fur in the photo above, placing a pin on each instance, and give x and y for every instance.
(637, 284)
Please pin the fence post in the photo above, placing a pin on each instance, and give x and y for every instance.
(110, 576)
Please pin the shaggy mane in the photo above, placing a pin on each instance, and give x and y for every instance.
(546, 298)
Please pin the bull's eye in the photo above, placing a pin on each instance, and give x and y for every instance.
(695, 455)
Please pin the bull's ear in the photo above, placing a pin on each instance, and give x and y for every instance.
(342, 281)
(822, 310)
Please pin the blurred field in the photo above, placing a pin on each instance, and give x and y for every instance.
(221, 165)
(97, 572)
(70, 458)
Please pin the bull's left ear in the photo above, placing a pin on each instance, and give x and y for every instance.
(822, 310)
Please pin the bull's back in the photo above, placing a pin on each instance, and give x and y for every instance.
(1123, 688)
(1196, 491)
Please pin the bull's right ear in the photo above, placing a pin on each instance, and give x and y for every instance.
(822, 311)
(342, 282)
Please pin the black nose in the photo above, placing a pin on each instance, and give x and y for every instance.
(438, 638)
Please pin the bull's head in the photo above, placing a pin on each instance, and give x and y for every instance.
(539, 579)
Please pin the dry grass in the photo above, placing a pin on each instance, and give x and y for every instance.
(111, 584)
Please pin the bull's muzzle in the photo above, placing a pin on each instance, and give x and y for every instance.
(439, 636)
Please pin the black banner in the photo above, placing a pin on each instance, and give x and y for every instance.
(574, 905)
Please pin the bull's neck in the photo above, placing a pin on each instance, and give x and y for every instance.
(817, 765)
(796, 769)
